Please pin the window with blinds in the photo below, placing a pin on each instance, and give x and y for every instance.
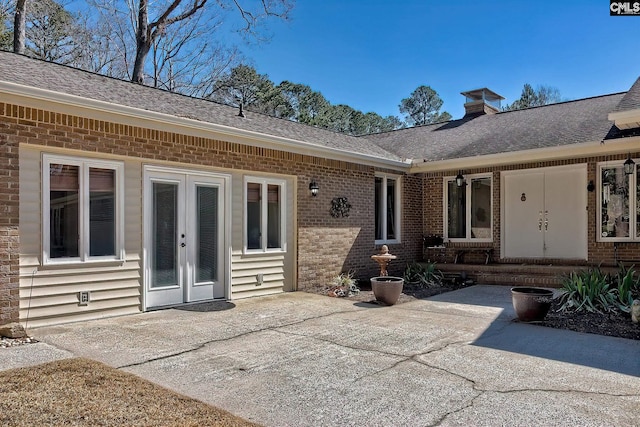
(80, 201)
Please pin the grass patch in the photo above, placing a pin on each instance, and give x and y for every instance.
(83, 392)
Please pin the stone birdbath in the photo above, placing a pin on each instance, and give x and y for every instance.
(383, 259)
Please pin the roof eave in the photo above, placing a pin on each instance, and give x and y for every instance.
(627, 119)
(564, 152)
(102, 110)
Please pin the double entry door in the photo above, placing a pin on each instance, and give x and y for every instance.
(184, 237)
(545, 213)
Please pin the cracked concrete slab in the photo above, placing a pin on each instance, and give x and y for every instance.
(305, 360)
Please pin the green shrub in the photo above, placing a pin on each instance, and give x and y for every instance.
(423, 275)
(588, 290)
(627, 287)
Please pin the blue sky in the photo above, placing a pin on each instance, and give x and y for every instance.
(371, 54)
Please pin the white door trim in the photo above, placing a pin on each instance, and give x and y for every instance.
(189, 175)
(582, 167)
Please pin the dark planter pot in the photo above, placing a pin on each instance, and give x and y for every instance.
(387, 289)
(531, 304)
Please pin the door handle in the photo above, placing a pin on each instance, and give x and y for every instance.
(546, 220)
(183, 244)
(540, 221)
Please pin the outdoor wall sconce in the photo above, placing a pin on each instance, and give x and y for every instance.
(591, 186)
(459, 179)
(629, 165)
(313, 187)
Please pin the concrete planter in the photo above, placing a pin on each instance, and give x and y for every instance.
(531, 304)
(387, 289)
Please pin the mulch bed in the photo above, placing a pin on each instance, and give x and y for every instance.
(611, 324)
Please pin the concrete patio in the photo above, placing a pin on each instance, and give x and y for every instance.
(303, 359)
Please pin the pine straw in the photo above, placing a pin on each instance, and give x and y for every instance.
(82, 392)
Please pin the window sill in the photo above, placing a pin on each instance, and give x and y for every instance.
(79, 263)
(387, 242)
(468, 240)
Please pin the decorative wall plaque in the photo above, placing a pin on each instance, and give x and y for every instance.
(340, 207)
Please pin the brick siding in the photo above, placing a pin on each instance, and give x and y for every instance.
(598, 252)
(327, 246)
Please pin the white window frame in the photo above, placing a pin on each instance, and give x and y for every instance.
(83, 165)
(633, 202)
(383, 208)
(445, 212)
(265, 182)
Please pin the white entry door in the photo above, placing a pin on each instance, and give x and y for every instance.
(184, 238)
(545, 213)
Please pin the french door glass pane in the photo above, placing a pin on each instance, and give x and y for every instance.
(379, 198)
(207, 245)
(254, 234)
(614, 202)
(481, 208)
(456, 212)
(102, 213)
(64, 215)
(164, 268)
(273, 216)
(391, 211)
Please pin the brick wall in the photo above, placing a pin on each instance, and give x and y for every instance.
(327, 246)
(598, 252)
(9, 201)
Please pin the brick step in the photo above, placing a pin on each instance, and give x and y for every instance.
(511, 279)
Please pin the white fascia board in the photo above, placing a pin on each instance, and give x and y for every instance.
(587, 149)
(626, 119)
(101, 110)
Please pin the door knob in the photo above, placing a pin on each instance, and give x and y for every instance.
(183, 244)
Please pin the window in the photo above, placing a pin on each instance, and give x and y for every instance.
(618, 198)
(469, 209)
(81, 199)
(264, 214)
(387, 209)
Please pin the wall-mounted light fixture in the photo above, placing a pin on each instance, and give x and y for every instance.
(460, 179)
(591, 186)
(629, 165)
(313, 187)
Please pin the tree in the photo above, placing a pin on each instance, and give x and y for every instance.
(530, 97)
(423, 107)
(306, 105)
(243, 85)
(149, 32)
(19, 24)
(52, 33)
(6, 35)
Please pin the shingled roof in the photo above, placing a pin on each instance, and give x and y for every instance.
(631, 100)
(565, 123)
(553, 125)
(58, 78)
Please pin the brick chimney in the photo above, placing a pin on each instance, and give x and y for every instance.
(481, 101)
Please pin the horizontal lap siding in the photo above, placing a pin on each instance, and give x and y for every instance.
(277, 268)
(49, 294)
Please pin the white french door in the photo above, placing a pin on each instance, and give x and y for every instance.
(184, 237)
(545, 213)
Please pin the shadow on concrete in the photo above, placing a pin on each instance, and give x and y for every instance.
(507, 334)
(596, 351)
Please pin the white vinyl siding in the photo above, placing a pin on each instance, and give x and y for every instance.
(276, 267)
(49, 292)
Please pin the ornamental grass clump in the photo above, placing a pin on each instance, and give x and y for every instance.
(594, 291)
(422, 275)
